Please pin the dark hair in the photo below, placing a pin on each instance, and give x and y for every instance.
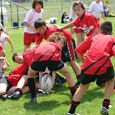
(14, 55)
(81, 4)
(39, 23)
(1, 29)
(35, 2)
(106, 27)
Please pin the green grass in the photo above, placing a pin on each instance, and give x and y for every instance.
(53, 104)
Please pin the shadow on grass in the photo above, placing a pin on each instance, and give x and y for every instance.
(41, 106)
(92, 94)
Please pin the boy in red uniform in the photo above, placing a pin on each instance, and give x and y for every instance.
(95, 53)
(49, 55)
(85, 22)
(68, 54)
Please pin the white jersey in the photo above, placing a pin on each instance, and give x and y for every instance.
(31, 17)
(3, 39)
(96, 9)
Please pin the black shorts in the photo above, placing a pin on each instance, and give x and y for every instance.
(26, 72)
(68, 52)
(100, 79)
(52, 65)
(3, 78)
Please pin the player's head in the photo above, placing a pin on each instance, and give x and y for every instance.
(37, 5)
(18, 58)
(106, 27)
(78, 8)
(58, 37)
(40, 26)
(97, 1)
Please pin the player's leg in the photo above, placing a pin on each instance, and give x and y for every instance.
(108, 79)
(70, 56)
(85, 81)
(35, 67)
(31, 83)
(65, 72)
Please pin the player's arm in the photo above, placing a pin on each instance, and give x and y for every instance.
(29, 26)
(2, 58)
(70, 25)
(10, 42)
(83, 47)
(27, 19)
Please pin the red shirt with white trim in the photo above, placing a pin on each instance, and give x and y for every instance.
(97, 51)
(27, 56)
(19, 71)
(87, 23)
(49, 31)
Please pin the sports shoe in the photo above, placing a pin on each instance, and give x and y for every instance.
(104, 111)
(14, 95)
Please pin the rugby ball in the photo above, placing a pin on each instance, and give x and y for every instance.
(46, 82)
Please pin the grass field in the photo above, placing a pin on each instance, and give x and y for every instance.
(53, 104)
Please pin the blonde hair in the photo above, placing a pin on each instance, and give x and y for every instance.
(56, 37)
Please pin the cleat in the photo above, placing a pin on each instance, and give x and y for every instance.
(14, 95)
(104, 111)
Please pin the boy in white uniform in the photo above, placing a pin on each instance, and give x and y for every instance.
(30, 32)
(96, 8)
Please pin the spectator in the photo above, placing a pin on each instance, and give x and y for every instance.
(64, 17)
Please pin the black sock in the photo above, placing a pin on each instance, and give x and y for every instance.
(31, 84)
(73, 107)
(106, 103)
(73, 90)
(78, 77)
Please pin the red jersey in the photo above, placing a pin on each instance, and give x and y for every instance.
(27, 56)
(1, 48)
(47, 51)
(97, 51)
(49, 31)
(16, 74)
(19, 71)
(87, 23)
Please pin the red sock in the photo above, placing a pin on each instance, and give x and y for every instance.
(73, 90)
